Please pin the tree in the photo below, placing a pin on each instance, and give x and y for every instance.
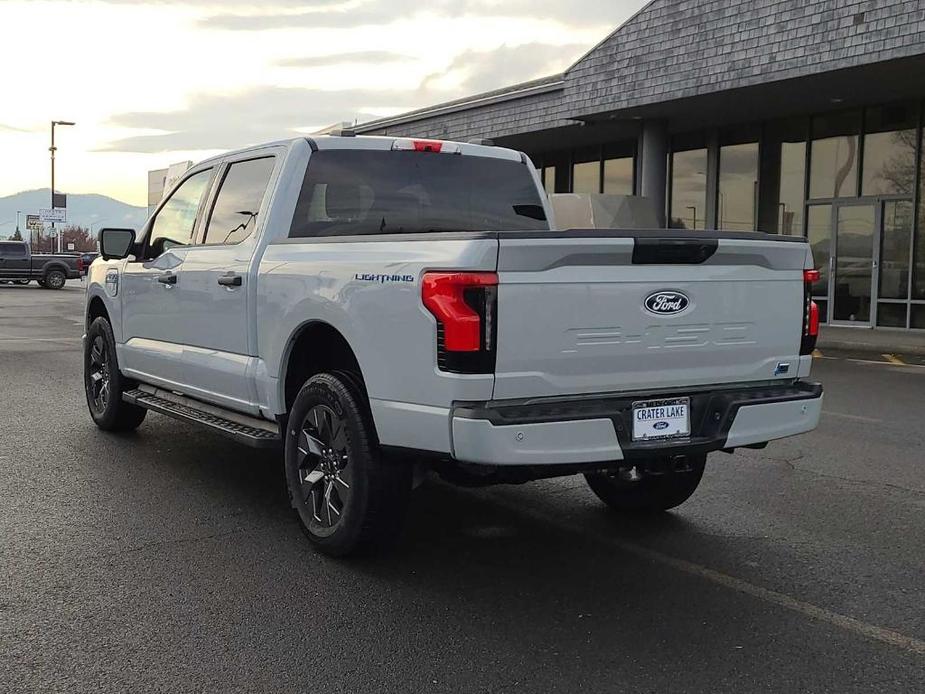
(17, 236)
(80, 237)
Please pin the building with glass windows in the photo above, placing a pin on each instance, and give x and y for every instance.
(786, 116)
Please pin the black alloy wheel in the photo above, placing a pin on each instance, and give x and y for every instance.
(99, 378)
(324, 468)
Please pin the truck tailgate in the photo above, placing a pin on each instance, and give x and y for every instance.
(596, 312)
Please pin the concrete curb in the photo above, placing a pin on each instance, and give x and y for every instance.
(898, 345)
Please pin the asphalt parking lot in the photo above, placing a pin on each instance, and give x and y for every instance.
(167, 560)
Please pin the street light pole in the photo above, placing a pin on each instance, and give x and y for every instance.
(52, 149)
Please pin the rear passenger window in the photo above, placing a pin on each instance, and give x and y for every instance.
(12, 250)
(347, 192)
(234, 214)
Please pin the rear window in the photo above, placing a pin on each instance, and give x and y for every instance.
(349, 192)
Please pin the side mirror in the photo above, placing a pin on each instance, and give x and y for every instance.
(116, 244)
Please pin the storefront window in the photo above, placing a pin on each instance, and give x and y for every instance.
(819, 232)
(549, 179)
(586, 177)
(738, 187)
(618, 176)
(792, 187)
(889, 150)
(918, 287)
(894, 254)
(689, 189)
(834, 156)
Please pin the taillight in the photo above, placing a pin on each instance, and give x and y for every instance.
(465, 305)
(437, 146)
(80, 264)
(810, 313)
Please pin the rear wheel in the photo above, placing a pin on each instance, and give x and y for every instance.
(54, 279)
(647, 492)
(104, 383)
(23, 282)
(347, 498)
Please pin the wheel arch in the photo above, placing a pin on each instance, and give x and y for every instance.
(315, 347)
(96, 308)
(54, 266)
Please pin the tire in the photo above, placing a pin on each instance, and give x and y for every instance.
(54, 279)
(41, 283)
(104, 384)
(652, 493)
(22, 282)
(347, 498)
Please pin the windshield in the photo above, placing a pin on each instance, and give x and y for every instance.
(349, 192)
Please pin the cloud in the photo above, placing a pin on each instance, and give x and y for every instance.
(373, 57)
(261, 114)
(381, 12)
(12, 129)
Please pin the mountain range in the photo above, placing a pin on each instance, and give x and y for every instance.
(82, 210)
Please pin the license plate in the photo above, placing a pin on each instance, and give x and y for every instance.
(661, 419)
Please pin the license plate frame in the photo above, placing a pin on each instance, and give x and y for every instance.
(677, 425)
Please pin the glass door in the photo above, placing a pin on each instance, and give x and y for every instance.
(854, 262)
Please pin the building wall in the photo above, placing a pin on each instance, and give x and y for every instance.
(673, 49)
(496, 120)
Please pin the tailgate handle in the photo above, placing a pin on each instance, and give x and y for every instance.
(230, 280)
(673, 251)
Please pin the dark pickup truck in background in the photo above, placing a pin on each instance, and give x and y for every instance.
(17, 264)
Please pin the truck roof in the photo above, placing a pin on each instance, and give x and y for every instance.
(372, 142)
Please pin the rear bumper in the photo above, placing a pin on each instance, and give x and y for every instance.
(599, 429)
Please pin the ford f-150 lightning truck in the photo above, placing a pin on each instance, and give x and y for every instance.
(380, 306)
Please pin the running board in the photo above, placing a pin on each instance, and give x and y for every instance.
(257, 433)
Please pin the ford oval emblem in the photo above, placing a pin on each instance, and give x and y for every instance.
(666, 303)
(659, 426)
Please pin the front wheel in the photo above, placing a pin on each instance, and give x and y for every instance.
(54, 279)
(346, 497)
(104, 383)
(650, 492)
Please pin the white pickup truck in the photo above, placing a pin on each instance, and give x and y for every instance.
(380, 306)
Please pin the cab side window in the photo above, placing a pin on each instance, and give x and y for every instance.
(175, 222)
(234, 215)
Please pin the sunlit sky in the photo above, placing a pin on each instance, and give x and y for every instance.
(153, 83)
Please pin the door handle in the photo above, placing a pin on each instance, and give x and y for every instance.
(230, 280)
(168, 279)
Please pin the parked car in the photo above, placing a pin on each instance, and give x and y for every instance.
(87, 259)
(17, 264)
(379, 306)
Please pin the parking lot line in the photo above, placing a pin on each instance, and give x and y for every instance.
(858, 417)
(893, 359)
(887, 363)
(40, 339)
(844, 622)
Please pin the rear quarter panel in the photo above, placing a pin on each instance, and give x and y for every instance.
(369, 289)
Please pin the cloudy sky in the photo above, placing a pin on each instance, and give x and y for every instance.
(152, 83)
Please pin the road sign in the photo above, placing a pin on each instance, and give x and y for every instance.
(70, 246)
(34, 223)
(53, 216)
